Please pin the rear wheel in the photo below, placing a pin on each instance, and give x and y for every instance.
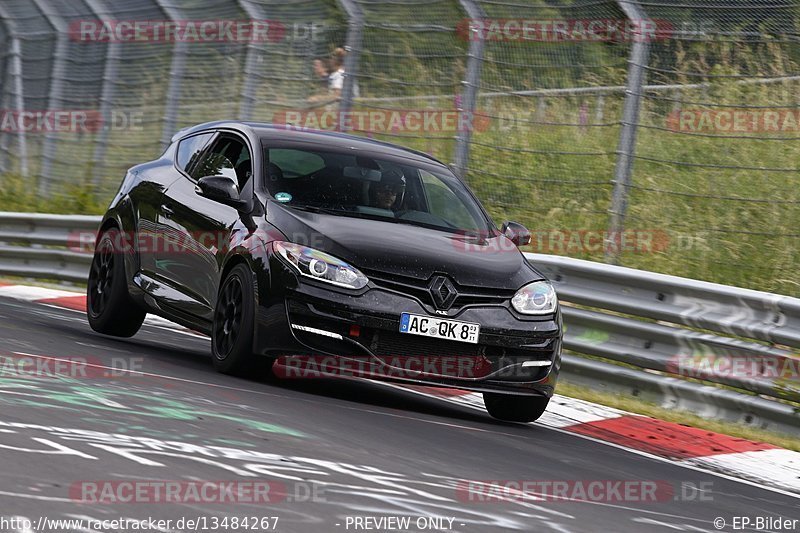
(109, 307)
(232, 331)
(513, 408)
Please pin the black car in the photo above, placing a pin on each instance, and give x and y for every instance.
(329, 254)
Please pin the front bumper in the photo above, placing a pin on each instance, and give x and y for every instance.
(357, 333)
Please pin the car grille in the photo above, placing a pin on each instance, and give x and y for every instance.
(393, 344)
(418, 288)
(440, 357)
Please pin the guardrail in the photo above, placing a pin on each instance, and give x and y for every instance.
(718, 351)
(37, 245)
(671, 335)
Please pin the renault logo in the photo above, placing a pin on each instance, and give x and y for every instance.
(443, 292)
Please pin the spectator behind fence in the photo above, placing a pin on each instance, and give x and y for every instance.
(336, 77)
(319, 83)
(321, 73)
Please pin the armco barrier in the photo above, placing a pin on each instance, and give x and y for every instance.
(658, 329)
(35, 245)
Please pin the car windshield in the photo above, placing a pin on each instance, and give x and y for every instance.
(347, 184)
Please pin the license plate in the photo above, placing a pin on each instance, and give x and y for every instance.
(439, 328)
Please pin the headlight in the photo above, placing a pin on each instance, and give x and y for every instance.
(537, 298)
(319, 265)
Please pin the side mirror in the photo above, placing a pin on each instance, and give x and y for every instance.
(517, 233)
(221, 189)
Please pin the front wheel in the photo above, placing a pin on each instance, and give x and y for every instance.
(232, 331)
(109, 307)
(513, 408)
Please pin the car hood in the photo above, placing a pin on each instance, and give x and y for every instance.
(406, 250)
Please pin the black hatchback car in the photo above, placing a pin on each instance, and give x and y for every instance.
(328, 254)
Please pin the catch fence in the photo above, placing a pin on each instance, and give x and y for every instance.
(657, 134)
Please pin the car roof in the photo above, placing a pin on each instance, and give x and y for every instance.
(333, 139)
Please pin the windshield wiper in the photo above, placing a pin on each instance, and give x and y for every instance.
(347, 213)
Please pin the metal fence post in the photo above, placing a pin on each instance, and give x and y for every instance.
(176, 69)
(627, 137)
(56, 95)
(5, 74)
(19, 103)
(107, 95)
(469, 95)
(355, 32)
(250, 64)
(15, 76)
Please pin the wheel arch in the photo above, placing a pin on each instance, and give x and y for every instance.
(241, 256)
(120, 216)
(108, 223)
(230, 262)
(255, 256)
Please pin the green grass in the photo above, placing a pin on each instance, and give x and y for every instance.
(18, 194)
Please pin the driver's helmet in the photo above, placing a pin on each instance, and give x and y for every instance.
(391, 184)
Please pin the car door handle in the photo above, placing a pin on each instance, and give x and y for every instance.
(167, 210)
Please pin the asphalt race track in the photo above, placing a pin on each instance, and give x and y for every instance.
(327, 451)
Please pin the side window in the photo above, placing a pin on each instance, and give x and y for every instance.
(444, 203)
(228, 156)
(189, 150)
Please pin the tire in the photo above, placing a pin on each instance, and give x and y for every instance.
(109, 307)
(232, 330)
(513, 408)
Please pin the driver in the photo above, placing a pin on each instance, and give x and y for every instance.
(389, 191)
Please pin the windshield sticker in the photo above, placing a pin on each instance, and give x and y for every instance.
(283, 197)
